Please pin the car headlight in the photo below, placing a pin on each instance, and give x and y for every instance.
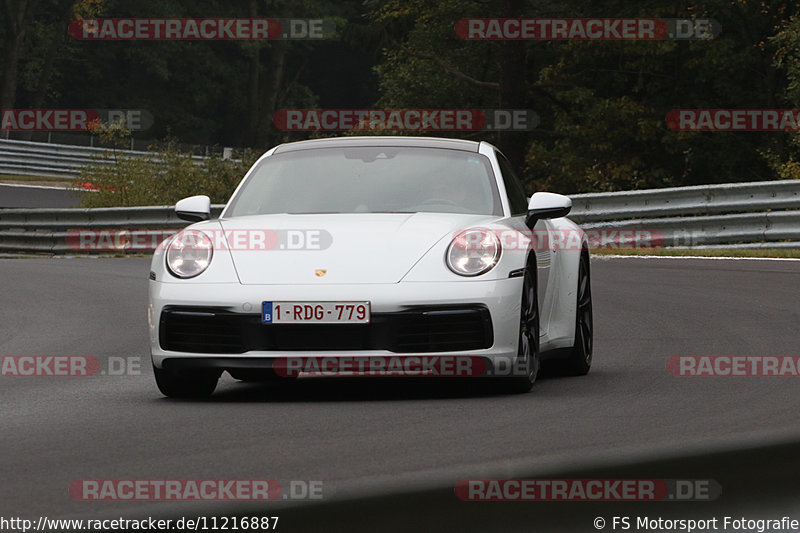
(473, 252)
(189, 254)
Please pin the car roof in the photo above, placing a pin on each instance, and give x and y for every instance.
(387, 140)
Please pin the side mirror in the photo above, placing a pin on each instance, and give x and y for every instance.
(194, 208)
(544, 205)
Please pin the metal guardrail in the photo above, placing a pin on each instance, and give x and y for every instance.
(687, 201)
(736, 230)
(736, 215)
(112, 229)
(746, 215)
(84, 138)
(25, 158)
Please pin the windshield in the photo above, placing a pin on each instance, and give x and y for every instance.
(370, 180)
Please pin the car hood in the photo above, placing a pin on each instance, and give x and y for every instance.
(349, 248)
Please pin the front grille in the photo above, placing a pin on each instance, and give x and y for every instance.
(442, 331)
(417, 330)
(201, 331)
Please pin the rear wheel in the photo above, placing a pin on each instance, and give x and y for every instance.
(528, 358)
(580, 358)
(186, 383)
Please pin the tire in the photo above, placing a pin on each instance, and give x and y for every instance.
(528, 356)
(186, 383)
(579, 360)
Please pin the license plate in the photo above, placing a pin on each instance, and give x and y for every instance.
(315, 313)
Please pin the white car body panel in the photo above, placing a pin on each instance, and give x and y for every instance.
(366, 247)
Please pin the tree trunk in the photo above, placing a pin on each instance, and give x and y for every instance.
(270, 90)
(58, 35)
(16, 16)
(57, 42)
(253, 83)
(513, 92)
(8, 91)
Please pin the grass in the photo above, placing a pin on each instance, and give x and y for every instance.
(704, 252)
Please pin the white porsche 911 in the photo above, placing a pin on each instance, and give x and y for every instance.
(366, 248)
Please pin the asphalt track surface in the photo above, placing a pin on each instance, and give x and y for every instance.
(27, 196)
(390, 452)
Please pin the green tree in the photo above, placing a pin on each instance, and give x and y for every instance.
(602, 103)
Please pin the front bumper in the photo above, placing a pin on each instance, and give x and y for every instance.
(496, 300)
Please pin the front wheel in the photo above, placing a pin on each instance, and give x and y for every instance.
(528, 357)
(580, 358)
(186, 383)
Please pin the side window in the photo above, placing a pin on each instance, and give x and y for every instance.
(514, 189)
